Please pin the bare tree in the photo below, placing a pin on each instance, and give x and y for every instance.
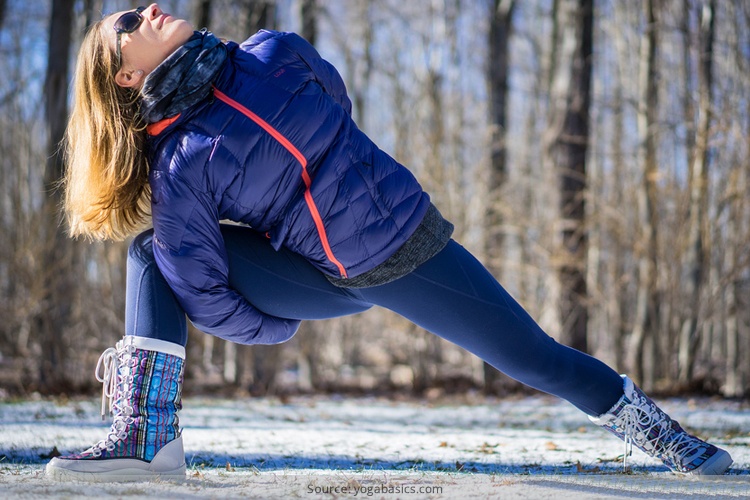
(566, 145)
(202, 13)
(736, 328)
(362, 66)
(647, 250)
(696, 259)
(92, 10)
(309, 11)
(259, 14)
(56, 314)
(498, 67)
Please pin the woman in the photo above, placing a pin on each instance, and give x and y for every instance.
(261, 134)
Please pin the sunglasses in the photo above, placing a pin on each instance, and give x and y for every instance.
(127, 23)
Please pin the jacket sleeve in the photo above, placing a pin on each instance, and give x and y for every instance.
(325, 73)
(189, 250)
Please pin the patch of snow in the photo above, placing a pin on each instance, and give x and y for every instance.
(315, 447)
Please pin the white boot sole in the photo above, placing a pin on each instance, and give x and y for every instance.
(168, 464)
(714, 466)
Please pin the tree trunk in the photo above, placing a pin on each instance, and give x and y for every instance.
(567, 145)
(259, 14)
(58, 273)
(736, 382)
(698, 219)
(365, 64)
(606, 322)
(202, 13)
(501, 24)
(646, 295)
(308, 10)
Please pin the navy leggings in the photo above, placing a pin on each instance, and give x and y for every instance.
(452, 295)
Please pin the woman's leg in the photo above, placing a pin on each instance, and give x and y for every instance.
(146, 367)
(455, 297)
(151, 309)
(283, 283)
(142, 377)
(279, 283)
(452, 295)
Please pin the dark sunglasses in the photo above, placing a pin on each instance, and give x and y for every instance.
(127, 23)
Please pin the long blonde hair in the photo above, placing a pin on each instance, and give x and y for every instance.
(106, 179)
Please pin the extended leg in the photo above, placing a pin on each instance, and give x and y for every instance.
(455, 297)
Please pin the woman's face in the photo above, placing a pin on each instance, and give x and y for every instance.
(158, 35)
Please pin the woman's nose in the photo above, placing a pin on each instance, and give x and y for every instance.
(153, 11)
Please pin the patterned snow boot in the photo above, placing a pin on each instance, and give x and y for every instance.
(142, 380)
(637, 420)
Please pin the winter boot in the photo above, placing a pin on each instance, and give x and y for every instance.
(637, 420)
(142, 380)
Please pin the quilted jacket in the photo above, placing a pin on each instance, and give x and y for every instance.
(274, 147)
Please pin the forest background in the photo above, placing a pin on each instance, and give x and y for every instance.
(593, 153)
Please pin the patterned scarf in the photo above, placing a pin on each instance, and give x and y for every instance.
(184, 78)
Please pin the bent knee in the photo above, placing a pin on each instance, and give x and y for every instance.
(141, 248)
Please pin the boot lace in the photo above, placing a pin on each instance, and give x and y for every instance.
(115, 371)
(651, 430)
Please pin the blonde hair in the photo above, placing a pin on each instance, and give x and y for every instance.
(106, 179)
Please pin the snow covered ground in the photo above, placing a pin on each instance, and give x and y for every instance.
(313, 447)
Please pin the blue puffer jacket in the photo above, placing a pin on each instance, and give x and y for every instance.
(274, 147)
